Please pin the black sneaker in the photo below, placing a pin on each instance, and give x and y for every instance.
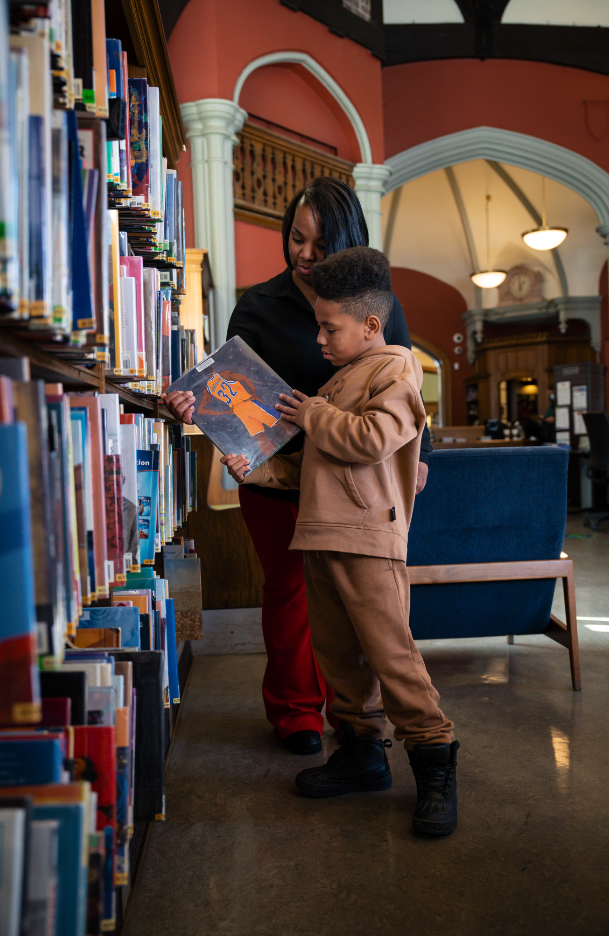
(435, 770)
(302, 742)
(359, 766)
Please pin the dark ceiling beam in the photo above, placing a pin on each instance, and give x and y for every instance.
(573, 46)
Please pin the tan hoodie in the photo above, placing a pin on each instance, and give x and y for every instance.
(357, 472)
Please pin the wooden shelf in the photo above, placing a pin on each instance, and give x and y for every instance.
(44, 365)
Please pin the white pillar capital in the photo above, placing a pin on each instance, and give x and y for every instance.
(370, 182)
(211, 126)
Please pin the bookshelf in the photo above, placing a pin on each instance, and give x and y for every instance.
(101, 307)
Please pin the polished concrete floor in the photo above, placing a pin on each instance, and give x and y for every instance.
(243, 854)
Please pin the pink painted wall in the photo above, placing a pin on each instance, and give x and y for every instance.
(259, 253)
(426, 100)
(291, 96)
(433, 312)
(214, 40)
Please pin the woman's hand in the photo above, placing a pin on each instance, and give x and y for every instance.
(290, 408)
(180, 404)
(237, 465)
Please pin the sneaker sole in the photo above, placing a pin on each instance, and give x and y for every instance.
(434, 828)
(340, 789)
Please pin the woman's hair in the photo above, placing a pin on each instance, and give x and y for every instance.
(337, 211)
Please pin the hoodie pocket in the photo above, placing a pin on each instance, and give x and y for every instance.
(351, 486)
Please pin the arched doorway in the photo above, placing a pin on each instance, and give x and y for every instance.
(436, 388)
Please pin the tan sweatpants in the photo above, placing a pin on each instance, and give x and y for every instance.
(358, 612)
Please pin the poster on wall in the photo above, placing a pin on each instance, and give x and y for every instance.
(562, 417)
(563, 392)
(580, 398)
(579, 426)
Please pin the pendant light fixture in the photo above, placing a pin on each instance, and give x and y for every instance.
(487, 279)
(544, 237)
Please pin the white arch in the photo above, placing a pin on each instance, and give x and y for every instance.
(517, 149)
(301, 58)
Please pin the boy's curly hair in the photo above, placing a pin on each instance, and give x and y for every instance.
(359, 278)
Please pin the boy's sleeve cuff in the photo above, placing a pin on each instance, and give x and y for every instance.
(304, 407)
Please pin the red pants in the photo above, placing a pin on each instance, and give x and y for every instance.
(294, 689)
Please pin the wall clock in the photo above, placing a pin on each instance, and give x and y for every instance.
(522, 284)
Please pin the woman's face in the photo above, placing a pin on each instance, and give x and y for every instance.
(305, 244)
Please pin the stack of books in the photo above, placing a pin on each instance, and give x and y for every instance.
(82, 198)
(88, 648)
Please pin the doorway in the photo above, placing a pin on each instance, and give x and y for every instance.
(432, 385)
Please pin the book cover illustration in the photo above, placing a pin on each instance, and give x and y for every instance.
(184, 577)
(235, 397)
(147, 487)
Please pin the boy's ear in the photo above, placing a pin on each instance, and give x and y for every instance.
(373, 326)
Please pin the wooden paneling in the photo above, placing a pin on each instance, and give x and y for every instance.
(270, 170)
(231, 575)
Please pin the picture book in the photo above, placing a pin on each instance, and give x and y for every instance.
(147, 497)
(235, 397)
(127, 619)
(149, 785)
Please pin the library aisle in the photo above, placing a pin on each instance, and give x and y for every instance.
(242, 853)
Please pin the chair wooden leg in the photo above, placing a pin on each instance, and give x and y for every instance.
(568, 584)
(510, 638)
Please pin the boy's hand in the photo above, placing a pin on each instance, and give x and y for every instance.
(237, 465)
(180, 404)
(290, 408)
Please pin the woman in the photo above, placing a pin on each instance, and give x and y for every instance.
(276, 319)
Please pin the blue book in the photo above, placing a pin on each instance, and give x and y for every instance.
(16, 563)
(147, 495)
(25, 763)
(114, 57)
(72, 866)
(128, 619)
(176, 353)
(20, 697)
(172, 652)
(82, 296)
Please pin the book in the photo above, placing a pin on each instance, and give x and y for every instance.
(184, 577)
(113, 483)
(127, 620)
(67, 685)
(100, 706)
(147, 497)
(20, 698)
(55, 712)
(123, 773)
(30, 762)
(13, 845)
(100, 538)
(42, 878)
(71, 818)
(140, 142)
(95, 752)
(128, 434)
(235, 396)
(172, 655)
(30, 408)
(149, 783)
(86, 637)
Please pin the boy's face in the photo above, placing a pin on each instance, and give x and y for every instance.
(341, 337)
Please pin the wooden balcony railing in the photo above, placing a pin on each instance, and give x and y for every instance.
(270, 170)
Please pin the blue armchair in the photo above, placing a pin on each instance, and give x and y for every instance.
(485, 544)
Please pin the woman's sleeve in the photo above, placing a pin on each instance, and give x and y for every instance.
(396, 333)
(243, 323)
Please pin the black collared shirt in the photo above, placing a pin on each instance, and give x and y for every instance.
(277, 321)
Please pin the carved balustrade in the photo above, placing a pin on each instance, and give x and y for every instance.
(270, 170)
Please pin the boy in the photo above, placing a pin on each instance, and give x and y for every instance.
(357, 478)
